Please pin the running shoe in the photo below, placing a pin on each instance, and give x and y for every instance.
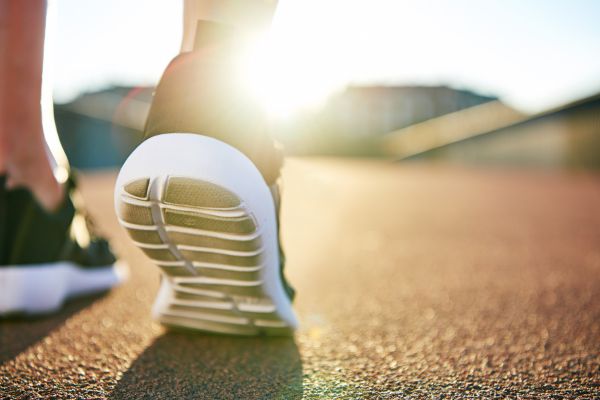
(200, 198)
(47, 258)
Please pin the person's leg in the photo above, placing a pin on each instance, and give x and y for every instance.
(199, 196)
(24, 158)
(201, 91)
(47, 251)
(246, 16)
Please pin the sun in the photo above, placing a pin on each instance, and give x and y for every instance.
(288, 70)
(283, 83)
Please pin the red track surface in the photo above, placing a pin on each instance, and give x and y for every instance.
(413, 282)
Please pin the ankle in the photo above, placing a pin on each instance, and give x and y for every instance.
(50, 194)
(31, 169)
(210, 33)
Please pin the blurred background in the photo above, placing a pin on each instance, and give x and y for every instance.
(500, 82)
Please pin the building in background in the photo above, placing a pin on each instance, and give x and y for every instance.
(351, 122)
(375, 110)
(565, 137)
(100, 129)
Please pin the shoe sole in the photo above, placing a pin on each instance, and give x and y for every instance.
(43, 288)
(201, 211)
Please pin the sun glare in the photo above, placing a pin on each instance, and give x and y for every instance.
(296, 66)
(282, 82)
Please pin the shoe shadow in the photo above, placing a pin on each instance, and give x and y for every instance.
(18, 332)
(187, 365)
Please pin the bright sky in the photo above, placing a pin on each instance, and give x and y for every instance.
(533, 53)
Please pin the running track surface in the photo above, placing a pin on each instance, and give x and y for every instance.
(413, 281)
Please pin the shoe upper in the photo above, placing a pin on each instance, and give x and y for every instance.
(30, 235)
(199, 93)
(276, 193)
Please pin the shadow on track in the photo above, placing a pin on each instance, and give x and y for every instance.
(186, 365)
(17, 333)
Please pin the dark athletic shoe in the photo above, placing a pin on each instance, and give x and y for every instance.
(46, 258)
(199, 197)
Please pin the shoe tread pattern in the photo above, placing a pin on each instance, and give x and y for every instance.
(213, 259)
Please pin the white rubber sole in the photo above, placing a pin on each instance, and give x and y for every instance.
(202, 212)
(43, 288)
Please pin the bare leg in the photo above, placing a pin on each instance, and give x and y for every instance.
(246, 16)
(24, 158)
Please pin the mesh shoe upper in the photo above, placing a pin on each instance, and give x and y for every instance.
(199, 93)
(31, 235)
